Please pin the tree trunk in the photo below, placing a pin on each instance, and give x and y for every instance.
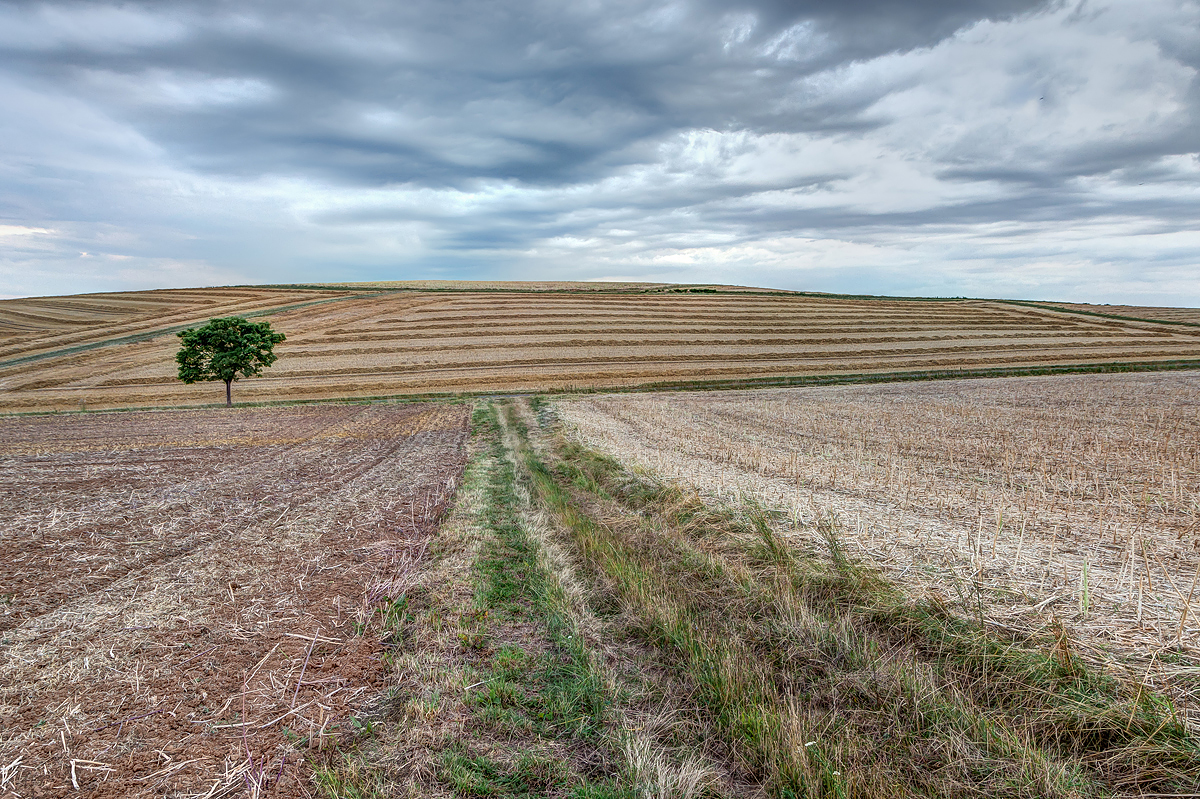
(228, 394)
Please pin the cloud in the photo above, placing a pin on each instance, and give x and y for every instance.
(1004, 147)
(21, 230)
(84, 28)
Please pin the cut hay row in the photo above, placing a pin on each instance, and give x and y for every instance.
(409, 342)
(1190, 316)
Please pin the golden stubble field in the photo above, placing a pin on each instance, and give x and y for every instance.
(117, 350)
(191, 601)
(1185, 315)
(1068, 499)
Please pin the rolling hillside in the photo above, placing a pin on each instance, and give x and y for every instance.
(371, 340)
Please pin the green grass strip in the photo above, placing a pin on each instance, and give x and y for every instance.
(551, 701)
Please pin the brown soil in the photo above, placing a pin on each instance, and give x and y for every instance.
(191, 600)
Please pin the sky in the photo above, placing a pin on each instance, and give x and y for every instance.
(984, 148)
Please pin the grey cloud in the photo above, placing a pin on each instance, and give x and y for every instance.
(277, 136)
(530, 92)
(868, 28)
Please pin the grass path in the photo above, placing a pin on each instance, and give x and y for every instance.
(506, 685)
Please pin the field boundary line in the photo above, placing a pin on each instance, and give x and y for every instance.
(897, 377)
(653, 289)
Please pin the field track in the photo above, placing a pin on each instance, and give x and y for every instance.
(190, 596)
(104, 351)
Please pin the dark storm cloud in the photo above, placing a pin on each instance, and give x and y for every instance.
(441, 93)
(868, 28)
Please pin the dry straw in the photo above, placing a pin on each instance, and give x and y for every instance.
(1075, 497)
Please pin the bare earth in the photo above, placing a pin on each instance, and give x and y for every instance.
(188, 596)
(387, 341)
(1006, 491)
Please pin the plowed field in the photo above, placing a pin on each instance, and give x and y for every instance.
(193, 602)
(380, 341)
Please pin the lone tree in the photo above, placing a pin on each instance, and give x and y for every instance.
(226, 349)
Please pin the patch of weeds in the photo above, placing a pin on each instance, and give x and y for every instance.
(473, 633)
(510, 660)
(297, 740)
(348, 777)
(574, 696)
(1177, 657)
(554, 695)
(478, 775)
(394, 612)
(394, 615)
(543, 411)
(533, 774)
(363, 728)
(483, 420)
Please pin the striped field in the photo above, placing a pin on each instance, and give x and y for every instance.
(371, 340)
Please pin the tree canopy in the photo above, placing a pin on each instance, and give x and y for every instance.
(226, 349)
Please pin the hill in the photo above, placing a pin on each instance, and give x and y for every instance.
(435, 337)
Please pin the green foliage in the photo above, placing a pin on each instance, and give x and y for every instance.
(226, 349)
(533, 774)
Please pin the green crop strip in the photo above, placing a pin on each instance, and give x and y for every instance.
(1082, 312)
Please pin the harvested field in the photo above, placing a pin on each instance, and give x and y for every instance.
(631, 637)
(32, 327)
(196, 603)
(1190, 316)
(257, 602)
(1070, 498)
(388, 341)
